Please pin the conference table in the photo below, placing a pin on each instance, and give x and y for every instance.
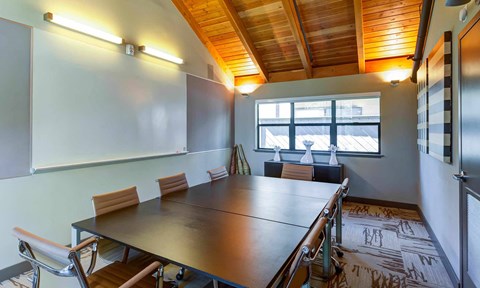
(240, 230)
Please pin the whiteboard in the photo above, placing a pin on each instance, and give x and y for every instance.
(91, 105)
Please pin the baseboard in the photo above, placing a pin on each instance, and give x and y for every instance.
(382, 203)
(14, 270)
(443, 256)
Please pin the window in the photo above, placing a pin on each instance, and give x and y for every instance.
(352, 124)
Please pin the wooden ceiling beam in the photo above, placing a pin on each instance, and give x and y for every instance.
(318, 72)
(203, 38)
(242, 33)
(388, 64)
(357, 6)
(300, 41)
(248, 79)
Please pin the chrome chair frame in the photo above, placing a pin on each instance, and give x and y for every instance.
(308, 253)
(74, 268)
(331, 213)
(344, 193)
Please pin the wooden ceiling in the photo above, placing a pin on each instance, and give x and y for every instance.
(282, 40)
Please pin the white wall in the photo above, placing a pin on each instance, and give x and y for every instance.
(48, 203)
(393, 177)
(439, 193)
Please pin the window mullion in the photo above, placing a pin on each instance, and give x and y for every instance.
(291, 129)
(333, 126)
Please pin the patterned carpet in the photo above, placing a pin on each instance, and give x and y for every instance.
(384, 247)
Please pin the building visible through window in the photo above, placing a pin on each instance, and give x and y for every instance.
(351, 123)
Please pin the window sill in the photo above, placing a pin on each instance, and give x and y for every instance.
(341, 154)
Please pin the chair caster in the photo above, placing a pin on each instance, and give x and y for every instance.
(180, 274)
(339, 253)
(338, 270)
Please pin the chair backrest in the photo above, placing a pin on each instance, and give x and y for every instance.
(345, 187)
(56, 259)
(300, 271)
(218, 173)
(297, 172)
(108, 202)
(173, 183)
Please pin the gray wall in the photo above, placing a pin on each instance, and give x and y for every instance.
(393, 177)
(48, 203)
(439, 193)
(15, 42)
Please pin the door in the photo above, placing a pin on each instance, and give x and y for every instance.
(469, 59)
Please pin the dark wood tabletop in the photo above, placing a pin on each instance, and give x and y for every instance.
(235, 249)
(241, 230)
(273, 199)
(313, 189)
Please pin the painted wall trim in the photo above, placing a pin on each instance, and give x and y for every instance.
(208, 151)
(443, 256)
(385, 203)
(321, 97)
(340, 154)
(105, 162)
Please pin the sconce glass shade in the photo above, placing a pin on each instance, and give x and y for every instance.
(456, 2)
(247, 89)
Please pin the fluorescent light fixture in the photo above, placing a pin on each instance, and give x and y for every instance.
(159, 54)
(70, 24)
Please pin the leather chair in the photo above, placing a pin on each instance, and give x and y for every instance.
(63, 261)
(218, 173)
(330, 212)
(338, 225)
(108, 202)
(297, 172)
(173, 183)
(300, 270)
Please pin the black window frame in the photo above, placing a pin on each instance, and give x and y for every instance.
(333, 126)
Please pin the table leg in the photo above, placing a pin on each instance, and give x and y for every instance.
(326, 250)
(75, 236)
(338, 224)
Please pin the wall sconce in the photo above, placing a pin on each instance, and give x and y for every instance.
(70, 24)
(159, 54)
(394, 83)
(394, 77)
(246, 90)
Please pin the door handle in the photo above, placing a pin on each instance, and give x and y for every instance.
(460, 177)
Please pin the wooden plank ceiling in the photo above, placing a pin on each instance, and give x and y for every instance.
(284, 40)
